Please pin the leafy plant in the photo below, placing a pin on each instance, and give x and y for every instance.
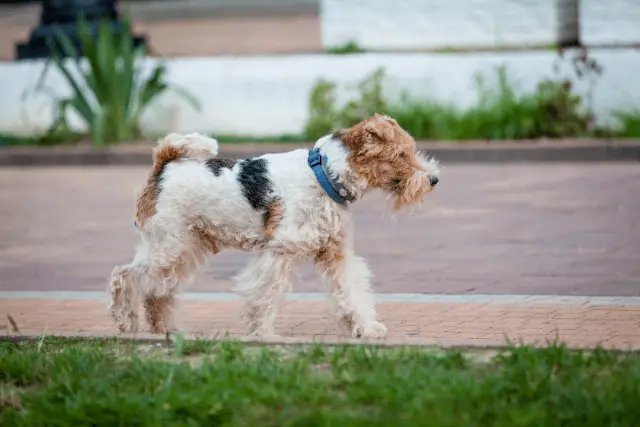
(110, 90)
(552, 110)
(629, 123)
(323, 115)
(371, 100)
(346, 49)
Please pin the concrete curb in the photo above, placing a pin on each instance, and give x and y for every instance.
(468, 152)
(147, 338)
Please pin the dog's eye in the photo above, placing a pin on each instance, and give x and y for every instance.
(403, 155)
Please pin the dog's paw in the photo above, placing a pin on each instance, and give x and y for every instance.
(370, 330)
(162, 329)
(128, 327)
(263, 333)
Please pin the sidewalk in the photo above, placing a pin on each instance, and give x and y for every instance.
(580, 323)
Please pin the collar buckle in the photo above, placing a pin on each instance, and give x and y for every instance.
(335, 190)
(315, 158)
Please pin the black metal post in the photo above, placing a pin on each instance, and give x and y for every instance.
(568, 18)
(62, 15)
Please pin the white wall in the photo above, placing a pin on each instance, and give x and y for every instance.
(438, 24)
(420, 24)
(268, 96)
(610, 22)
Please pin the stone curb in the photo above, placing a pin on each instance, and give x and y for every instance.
(294, 341)
(147, 338)
(468, 152)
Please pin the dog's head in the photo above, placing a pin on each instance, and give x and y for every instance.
(384, 155)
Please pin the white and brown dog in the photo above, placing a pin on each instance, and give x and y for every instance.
(284, 207)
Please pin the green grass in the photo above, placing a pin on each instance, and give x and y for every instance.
(346, 49)
(111, 383)
(239, 139)
(10, 140)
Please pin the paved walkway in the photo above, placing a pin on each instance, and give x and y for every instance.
(483, 321)
(559, 229)
(489, 230)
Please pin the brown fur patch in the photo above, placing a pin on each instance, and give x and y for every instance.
(158, 310)
(215, 239)
(329, 258)
(384, 154)
(206, 236)
(273, 216)
(330, 255)
(146, 204)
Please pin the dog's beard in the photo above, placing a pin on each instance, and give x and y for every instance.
(412, 191)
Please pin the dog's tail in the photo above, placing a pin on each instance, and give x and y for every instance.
(169, 149)
(175, 146)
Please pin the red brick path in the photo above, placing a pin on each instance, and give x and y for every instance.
(473, 324)
(550, 229)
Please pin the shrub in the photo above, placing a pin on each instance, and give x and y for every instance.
(110, 92)
(346, 49)
(629, 123)
(552, 110)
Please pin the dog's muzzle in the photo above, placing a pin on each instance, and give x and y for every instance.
(433, 180)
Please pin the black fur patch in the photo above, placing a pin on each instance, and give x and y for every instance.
(339, 134)
(159, 178)
(255, 183)
(216, 165)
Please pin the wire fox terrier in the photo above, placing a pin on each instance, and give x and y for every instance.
(284, 207)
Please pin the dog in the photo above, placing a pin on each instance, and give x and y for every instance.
(284, 207)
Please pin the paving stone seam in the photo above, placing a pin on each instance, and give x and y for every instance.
(396, 297)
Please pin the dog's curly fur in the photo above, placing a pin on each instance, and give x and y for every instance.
(195, 204)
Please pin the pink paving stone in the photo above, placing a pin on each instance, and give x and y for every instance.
(308, 321)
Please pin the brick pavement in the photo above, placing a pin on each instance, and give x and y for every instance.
(559, 229)
(463, 324)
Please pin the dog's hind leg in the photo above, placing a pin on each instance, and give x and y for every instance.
(263, 283)
(126, 286)
(348, 278)
(163, 263)
(169, 271)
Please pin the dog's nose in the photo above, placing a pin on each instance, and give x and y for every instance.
(433, 180)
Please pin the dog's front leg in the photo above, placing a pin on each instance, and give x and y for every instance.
(348, 278)
(263, 283)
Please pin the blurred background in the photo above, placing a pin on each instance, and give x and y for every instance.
(286, 70)
(269, 75)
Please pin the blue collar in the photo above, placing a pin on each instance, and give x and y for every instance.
(334, 189)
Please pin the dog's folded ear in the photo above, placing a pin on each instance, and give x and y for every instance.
(381, 127)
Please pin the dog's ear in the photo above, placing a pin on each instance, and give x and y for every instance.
(380, 127)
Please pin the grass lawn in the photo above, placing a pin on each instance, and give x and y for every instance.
(58, 382)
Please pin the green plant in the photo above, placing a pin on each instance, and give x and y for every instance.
(324, 116)
(322, 110)
(501, 112)
(371, 100)
(629, 123)
(110, 88)
(59, 382)
(346, 49)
